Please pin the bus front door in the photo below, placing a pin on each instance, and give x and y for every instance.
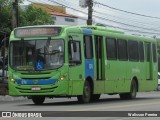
(76, 68)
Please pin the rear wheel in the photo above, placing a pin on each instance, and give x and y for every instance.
(85, 98)
(38, 100)
(133, 92)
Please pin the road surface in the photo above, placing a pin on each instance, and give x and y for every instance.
(145, 103)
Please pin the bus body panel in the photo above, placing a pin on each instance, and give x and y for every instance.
(107, 75)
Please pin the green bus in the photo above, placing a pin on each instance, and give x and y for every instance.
(80, 61)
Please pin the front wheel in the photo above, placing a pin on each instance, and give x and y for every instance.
(85, 98)
(38, 100)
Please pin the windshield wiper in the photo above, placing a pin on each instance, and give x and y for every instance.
(54, 52)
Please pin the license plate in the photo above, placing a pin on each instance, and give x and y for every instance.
(36, 88)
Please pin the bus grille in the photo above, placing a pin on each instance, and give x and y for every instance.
(36, 75)
(29, 90)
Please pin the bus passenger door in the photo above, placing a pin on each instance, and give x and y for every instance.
(99, 60)
(76, 67)
(98, 55)
(148, 60)
(99, 64)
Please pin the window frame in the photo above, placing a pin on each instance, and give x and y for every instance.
(74, 62)
(131, 53)
(141, 58)
(154, 52)
(115, 45)
(69, 19)
(118, 49)
(91, 47)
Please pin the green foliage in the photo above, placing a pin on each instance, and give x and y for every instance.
(5, 15)
(27, 17)
(34, 16)
(4, 3)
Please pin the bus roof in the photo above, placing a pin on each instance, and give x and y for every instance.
(97, 30)
(100, 30)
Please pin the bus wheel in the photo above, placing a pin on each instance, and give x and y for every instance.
(85, 98)
(95, 97)
(133, 92)
(38, 100)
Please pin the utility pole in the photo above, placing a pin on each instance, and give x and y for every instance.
(15, 17)
(90, 10)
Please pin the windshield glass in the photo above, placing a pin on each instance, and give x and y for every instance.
(36, 54)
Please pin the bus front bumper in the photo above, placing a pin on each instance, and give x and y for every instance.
(59, 88)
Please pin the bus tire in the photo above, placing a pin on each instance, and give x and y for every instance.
(95, 97)
(38, 100)
(86, 97)
(133, 92)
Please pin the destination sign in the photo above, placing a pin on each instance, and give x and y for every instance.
(37, 31)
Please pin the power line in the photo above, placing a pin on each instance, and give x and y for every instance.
(110, 21)
(149, 24)
(102, 13)
(130, 20)
(127, 16)
(131, 30)
(126, 11)
(105, 18)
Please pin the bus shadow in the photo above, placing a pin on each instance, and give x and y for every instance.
(101, 100)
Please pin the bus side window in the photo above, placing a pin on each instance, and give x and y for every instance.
(111, 48)
(141, 51)
(154, 52)
(122, 50)
(133, 52)
(74, 53)
(88, 47)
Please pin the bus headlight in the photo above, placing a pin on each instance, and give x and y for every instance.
(11, 79)
(62, 78)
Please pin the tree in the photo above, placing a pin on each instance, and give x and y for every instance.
(5, 15)
(27, 17)
(34, 16)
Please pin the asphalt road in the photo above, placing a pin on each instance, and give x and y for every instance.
(110, 106)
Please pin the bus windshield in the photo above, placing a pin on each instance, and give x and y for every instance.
(36, 54)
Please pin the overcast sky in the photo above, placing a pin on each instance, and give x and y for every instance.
(144, 7)
(148, 7)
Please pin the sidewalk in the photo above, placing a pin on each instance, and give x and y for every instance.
(8, 98)
(5, 97)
